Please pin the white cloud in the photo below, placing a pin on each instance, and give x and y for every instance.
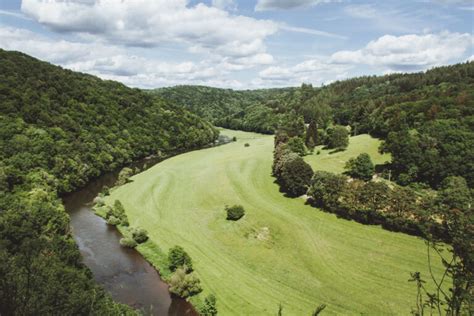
(387, 54)
(115, 63)
(409, 52)
(316, 71)
(263, 5)
(225, 4)
(151, 23)
(305, 30)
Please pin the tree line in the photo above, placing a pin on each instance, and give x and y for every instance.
(426, 119)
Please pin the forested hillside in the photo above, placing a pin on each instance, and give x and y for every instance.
(59, 129)
(426, 119)
(248, 110)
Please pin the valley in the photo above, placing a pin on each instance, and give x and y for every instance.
(282, 251)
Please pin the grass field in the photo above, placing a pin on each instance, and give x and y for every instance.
(281, 251)
(334, 162)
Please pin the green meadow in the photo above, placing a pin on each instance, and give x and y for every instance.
(328, 160)
(282, 251)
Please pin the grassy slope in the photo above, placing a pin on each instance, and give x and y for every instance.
(308, 257)
(335, 162)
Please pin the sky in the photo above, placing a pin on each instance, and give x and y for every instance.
(239, 44)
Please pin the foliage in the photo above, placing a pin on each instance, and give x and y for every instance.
(58, 130)
(124, 176)
(292, 172)
(112, 220)
(360, 167)
(251, 110)
(128, 242)
(296, 145)
(116, 213)
(429, 114)
(209, 308)
(337, 138)
(435, 151)
(295, 176)
(246, 145)
(179, 258)
(184, 284)
(140, 235)
(235, 212)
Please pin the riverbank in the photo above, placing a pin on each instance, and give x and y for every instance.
(123, 272)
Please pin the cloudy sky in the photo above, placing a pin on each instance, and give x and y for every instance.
(241, 44)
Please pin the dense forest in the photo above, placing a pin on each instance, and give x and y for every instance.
(248, 110)
(426, 119)
(59, 129)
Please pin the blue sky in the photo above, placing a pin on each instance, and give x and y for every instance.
(239, 44)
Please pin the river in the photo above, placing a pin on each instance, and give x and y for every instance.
(123, 272)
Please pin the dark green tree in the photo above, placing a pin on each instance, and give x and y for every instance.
(296, 145)
(360, 167)
(235, 212)
(209, 308)
(295, 175)
(338, 138)
(177, 257)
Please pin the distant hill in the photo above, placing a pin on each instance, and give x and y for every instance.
(235, 109)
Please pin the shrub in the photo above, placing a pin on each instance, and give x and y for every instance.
(128, 242)
(296, 145)
(177, 258)
(246, 144)
(98, 201)
(295, 175)
(234, 139)
(360, 167)
(209, 307)
(105, 191)
(124, 176)
(338, 137)
(112, 220)
(140, 235)
(279, 155)
(184, 284)
(326, 188)
(235, 212)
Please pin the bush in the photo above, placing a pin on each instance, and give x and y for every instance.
(296, 145)
(360, 167)
(140, 235)
(209, 307)
(295, 175)
(234, 139)
(338, 138)
(128, 242)
(326, 188)
(246, 144)
(235, 212)
(105, 191)
(184, 284)
(177, 258)
(112, 220)
(98, 201)
(124, 176)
